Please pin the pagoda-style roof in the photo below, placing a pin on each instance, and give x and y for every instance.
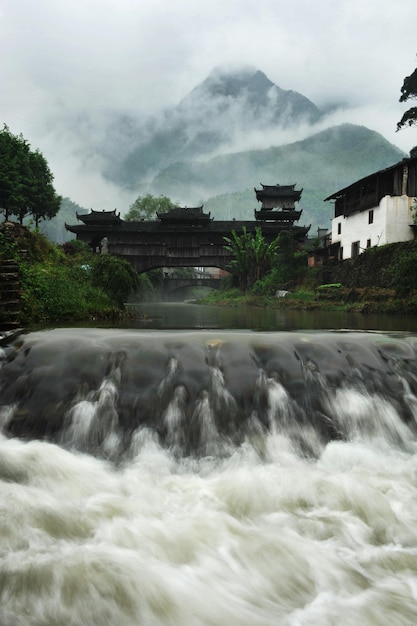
(193, 215)
(100, 218)
(284, 216)
(278, 195)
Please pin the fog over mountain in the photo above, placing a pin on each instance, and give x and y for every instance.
(89, 83)
(236, 129)
(330, 159)
(231, 107)
(233, 130)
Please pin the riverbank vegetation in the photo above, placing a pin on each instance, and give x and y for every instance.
(382, 279)
(67, 282)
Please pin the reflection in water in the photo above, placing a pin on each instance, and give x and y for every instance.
(172, 315)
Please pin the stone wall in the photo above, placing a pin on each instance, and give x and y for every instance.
(379, 267)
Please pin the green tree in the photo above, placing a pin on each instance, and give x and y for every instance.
(290, 266)
(26, 181)
(43, 202)
(13, 171)
(253, 256)
(115, 276)
(409, 91)
(145, 207)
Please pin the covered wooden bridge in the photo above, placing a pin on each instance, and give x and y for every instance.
(182, 237)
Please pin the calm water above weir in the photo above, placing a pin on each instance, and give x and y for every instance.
(182, 316)
(210, 466)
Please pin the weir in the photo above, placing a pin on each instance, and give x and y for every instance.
(200, 478)
(205, 393)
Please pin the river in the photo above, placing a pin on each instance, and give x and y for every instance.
(205, 466)
(181, 316)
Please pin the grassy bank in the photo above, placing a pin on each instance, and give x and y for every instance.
(323, 298)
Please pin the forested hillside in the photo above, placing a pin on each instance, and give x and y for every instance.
(321, 164)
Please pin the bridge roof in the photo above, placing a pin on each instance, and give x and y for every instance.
(219, 227)
(181, 214)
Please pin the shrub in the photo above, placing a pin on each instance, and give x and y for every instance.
(115, 276)
(58, 292)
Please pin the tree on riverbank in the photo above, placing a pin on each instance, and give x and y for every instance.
(253, 256)
(26, 181)
(116, 277)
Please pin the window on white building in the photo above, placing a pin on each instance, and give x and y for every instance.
(339, 228)
(371, 217)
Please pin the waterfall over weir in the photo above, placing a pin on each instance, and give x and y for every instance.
(205, 393)
(205, 478)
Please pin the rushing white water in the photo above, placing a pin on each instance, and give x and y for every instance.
(259, 481)
(249, 539)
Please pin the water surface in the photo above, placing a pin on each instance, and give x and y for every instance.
(173, 315)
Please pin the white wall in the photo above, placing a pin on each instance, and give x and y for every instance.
(391, 224)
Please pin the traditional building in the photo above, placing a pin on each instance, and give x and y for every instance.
(282, 197)
(180, 237)
(374, 211)
(96, 224)
(100, 218)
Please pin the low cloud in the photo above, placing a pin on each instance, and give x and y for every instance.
(69, 69)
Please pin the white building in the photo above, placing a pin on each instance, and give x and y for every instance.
(375, 211)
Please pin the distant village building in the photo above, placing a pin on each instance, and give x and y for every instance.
(373, 211)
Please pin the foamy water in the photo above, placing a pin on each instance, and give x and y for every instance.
(261, 537)
(251, 480)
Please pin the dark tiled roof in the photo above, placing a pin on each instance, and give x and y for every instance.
(184, 214)
(100, 217)
(363, 180)
(278, 191)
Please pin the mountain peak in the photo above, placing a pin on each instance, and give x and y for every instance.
(231, 81)
(230, 103)
(230, 90)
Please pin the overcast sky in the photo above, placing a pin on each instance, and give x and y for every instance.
(59, 58)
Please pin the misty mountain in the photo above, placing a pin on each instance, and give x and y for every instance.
(228, 104)
(246, 96)
(201, 151)
(320, 164)
(54, 229)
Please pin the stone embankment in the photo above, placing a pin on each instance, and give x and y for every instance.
(10, 295)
